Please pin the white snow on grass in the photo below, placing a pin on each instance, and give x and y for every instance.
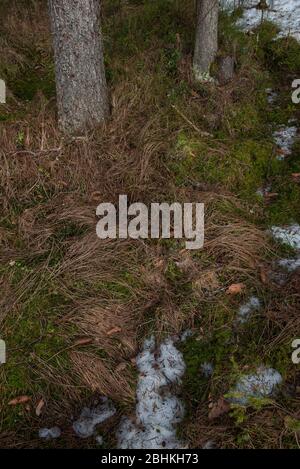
(89, 418)
(263, 191)
(289, 235)
(285, 13)
(157, 410)
(49, 433)
(284, 138)
(253, 304)
(207, 369)
(259, 385)
(271, 96)
(186, 335)
(290, 264)
(99, 440)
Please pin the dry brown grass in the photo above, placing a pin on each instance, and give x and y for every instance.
(117, 292)
(99, 376)
(56, 182)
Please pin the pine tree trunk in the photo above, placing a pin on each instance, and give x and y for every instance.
(206, 46)
(82, 98)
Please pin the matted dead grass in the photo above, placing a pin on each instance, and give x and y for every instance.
(116, 292)
(99, 376)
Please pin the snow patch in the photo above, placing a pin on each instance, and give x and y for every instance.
(157, 410)
(285, 13)
(245, 310)
(89, 418)
(289, 235)
(49, 433)
(290, 264)
(284, 138)
(207, 369)
(186, 335)
(259, 385)
(99, 439)
(209, 445)
(271, 95)
(263, 191)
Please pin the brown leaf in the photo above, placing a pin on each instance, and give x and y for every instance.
(96, 195)
(19, 400)
(114, 331)
(236, 288)
(281, 151)
(263, 275)
(83, 341)
(194, 94)
(39, 407)
(121, 367)
(271, 195)
(219, 408)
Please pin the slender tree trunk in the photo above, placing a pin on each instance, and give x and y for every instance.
(82, 98)
(206, 46)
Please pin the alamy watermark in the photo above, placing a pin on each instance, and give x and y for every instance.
(2, 352)
(2, 92)
(296, 93)
(296, 353)
(136, 221)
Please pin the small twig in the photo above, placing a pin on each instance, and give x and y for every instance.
(201, 132)
(35, 153)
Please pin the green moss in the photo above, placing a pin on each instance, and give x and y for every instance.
(29, 82)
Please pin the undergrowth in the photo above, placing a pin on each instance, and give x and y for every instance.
(169, 138)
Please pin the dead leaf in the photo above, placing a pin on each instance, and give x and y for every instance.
(218, 408)
(121, 367)
(236, 288)
(96, 195)
(195, 94)
(159, 263)
(39, 407)
(281, 151)
(271, 195)
(263, 275)
(114, 330)
(83, 341)
(19, 400)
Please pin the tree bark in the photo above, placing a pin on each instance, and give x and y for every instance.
(82, 98)
(206, 46)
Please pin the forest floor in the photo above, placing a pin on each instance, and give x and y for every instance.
(75, 311)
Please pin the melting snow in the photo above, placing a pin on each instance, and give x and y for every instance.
(284, 138)
(261, 384)
(157, 410)
(207, 369)
(186, 335)
(245, 310)
(99, 440)
(285, 13)
(89, 418)
(290, 264)
(49, 433)
(271, 95)
(263, 191)
(289, 235)
(209, 445)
